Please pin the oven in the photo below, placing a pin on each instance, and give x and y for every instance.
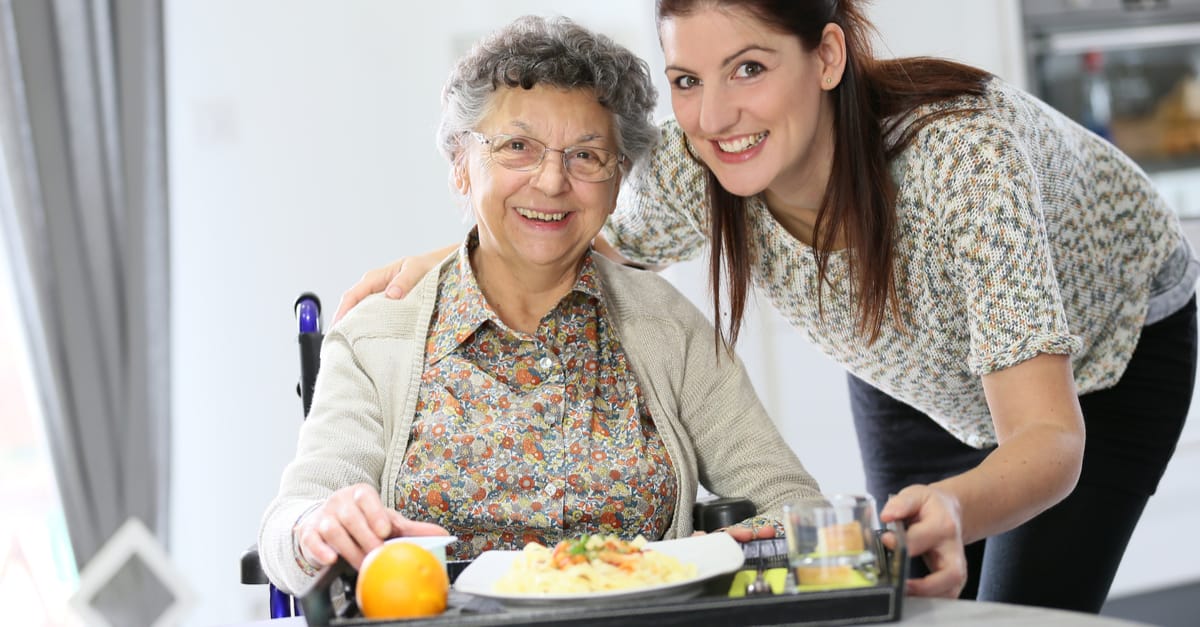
(1130, 71)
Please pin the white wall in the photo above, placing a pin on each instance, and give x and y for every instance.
(301, 154)
(984, 33)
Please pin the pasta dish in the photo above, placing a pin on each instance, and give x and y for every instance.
(591, 564)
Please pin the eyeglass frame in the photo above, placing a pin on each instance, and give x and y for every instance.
(489, 142)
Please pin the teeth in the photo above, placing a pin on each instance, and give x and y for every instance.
(544, 217)
(745, 143)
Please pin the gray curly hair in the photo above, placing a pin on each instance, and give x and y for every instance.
(558, 52)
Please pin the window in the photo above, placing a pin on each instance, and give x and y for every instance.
(37, 568)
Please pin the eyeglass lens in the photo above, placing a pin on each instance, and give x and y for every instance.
(524, 153)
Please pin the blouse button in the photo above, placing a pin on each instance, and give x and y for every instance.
(545, 363)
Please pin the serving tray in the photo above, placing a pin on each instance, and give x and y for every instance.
(329, 602)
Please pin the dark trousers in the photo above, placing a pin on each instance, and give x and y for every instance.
(1067, 556)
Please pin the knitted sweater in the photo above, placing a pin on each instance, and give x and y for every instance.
(706, 411)
(1018, 233)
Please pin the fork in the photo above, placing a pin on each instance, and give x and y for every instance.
(759, 587)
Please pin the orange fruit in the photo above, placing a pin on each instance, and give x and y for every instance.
(401, 580)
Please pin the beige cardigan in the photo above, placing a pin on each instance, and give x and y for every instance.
(714, 427)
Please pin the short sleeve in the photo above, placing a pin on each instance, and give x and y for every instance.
(999, 253)
(661, 209)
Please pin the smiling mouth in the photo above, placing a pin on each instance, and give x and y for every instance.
(741, 144)
(542, 217)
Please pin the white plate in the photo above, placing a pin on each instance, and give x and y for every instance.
(713, 554)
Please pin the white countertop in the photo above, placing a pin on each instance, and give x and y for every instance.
(921, 611)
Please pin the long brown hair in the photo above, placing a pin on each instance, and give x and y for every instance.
(873, 98)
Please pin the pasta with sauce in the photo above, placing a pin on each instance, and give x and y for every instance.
(591, 564)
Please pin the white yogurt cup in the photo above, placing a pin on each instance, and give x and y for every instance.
(434, 544)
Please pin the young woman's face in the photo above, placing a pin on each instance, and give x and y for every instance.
(751, 99)
(539, 215)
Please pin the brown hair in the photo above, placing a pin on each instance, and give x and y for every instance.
(859, 203)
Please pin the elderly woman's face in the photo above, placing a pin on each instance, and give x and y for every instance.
(543, 214)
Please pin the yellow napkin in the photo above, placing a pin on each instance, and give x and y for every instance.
(776, 578)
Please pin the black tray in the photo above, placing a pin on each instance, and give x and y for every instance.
(329, 602)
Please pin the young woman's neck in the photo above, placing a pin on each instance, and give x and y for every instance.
(522, 294)
(794, 197)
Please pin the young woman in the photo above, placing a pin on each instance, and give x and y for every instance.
(996, 279)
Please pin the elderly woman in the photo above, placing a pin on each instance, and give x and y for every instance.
(527, 389)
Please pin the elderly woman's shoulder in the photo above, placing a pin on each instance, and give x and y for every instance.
(647, 289)
(378, 315)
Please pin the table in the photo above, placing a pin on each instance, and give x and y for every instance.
(921, 611)
(918, 611)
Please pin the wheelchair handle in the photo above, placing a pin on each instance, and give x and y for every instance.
(308, 312)
(717, 514)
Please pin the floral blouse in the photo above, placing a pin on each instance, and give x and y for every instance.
(523, 438)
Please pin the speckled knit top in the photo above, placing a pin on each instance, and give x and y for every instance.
(1019, 233)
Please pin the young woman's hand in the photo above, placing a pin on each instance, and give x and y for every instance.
(395, 279)
(398, 277)
(934, 532)
(351, 522)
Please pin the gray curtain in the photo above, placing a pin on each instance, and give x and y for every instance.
(83, 208)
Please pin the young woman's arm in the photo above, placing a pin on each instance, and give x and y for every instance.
(399, 276)
(1040, 431)
(396, 278)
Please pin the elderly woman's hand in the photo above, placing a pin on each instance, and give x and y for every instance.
(934, 532)
(350, 523)
(744, 533)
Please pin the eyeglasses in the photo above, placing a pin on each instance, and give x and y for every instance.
(585, 163)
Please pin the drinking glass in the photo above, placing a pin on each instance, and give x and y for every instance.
(831, 541)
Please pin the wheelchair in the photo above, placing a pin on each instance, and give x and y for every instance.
(707, 515)
(307, 309)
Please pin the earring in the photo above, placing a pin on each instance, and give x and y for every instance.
(828, 80)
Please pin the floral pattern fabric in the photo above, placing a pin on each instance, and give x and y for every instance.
(520, 438)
